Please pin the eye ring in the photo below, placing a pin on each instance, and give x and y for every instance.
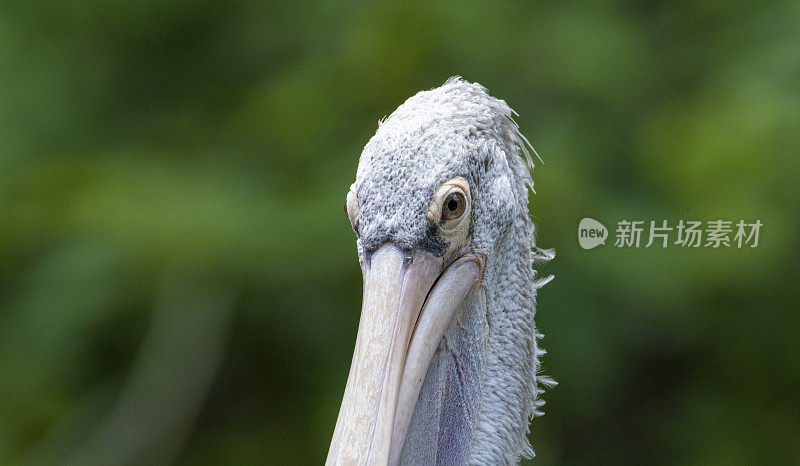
(351, 208)
(450, 206)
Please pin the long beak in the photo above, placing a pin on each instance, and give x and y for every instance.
(398, 334)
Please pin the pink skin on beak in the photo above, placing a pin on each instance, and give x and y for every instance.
(398, 334)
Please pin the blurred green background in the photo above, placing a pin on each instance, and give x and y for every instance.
(179, 284)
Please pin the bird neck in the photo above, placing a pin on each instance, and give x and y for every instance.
(509, 385)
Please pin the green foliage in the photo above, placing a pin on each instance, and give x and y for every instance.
(178, 281)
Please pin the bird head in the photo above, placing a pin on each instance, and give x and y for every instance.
(446, 359)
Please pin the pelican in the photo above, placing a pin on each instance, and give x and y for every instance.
(446, 362)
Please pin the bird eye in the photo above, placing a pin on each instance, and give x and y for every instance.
(450, 206)
(454, 206)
